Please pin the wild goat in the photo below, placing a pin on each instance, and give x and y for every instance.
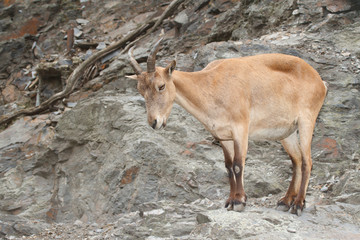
(262, 97)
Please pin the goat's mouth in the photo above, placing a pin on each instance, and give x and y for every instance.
(158, 124)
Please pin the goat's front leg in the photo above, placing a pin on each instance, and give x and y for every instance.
(228, 149)
(235, 154)
(240, 149)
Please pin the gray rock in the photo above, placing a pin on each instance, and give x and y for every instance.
(251, 19)
(11, 52)
(22, 82)
(182, 18)
(201, 218)
(71, 104)
(11, 226)
(78, 223)
(88, 54)
(348, 188)
(101, 46)
(77, 32)
(8, 11)
(5, 24)
(259, 223)
(291, 230)
(82, 21)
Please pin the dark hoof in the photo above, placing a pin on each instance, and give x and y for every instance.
(239, 206)
(297, 209)
(230, 207)
(235, 205)
(281, 206)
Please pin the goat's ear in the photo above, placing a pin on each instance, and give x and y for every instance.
(170, 68)
(134, 77)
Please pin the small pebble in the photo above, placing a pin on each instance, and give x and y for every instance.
(71, 104)
(77, 32)
(78, 223)
(94, 225)
(291, 230)
(82, 21)
(324, 188)
(101, 46)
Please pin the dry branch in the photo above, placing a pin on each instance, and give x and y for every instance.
(79, 71)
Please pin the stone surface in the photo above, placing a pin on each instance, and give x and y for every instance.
(10, 51)
(10, 94)
(171, 220)
(338, 5)
(261, 223)
(251, 19)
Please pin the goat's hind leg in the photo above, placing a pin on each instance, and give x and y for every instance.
(292, 147)
(306, 128)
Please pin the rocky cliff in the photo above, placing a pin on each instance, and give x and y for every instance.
(91, 168)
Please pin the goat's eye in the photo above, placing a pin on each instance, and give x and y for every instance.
(161, 87)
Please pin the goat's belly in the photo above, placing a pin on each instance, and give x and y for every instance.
(275, 134)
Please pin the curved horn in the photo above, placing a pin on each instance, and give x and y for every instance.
(134, 64)
(152, 57)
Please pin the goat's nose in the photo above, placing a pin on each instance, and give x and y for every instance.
(153, 125)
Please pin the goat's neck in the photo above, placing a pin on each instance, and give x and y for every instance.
(190, 94)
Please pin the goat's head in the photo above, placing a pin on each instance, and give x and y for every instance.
(156, 86)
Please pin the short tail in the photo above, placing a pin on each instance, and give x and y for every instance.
(326, 87)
